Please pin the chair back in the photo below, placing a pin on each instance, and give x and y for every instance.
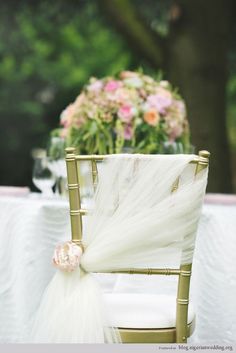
(196, 165)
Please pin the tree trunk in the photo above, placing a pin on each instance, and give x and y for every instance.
(194, 56)
(142, 40)
(197, 64)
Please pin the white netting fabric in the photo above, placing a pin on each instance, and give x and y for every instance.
(136, 222)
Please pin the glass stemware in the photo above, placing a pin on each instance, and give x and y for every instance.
(43, 178)
(56, 151)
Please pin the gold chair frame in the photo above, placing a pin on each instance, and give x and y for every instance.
(182, 330)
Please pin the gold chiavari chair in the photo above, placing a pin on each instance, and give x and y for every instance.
(183, 329)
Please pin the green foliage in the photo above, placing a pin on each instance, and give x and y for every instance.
(48, 51)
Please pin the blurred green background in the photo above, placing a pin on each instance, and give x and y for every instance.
(49, 49)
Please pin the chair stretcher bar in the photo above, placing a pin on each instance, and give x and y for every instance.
(151, 271)
(202, 158)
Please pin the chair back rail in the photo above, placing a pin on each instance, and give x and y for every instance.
(76, 213)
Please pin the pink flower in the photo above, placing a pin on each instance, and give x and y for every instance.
(67, 115)
(79, 100)
(174, 129)
(67, 256)
(95, 86)
(124, 95)
(180, 109)
(160, 101)
(112, 85)
(176, 132)
(128, 132)
(126, 113)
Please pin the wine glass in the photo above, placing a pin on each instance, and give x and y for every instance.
(56, 152)
(43, 178)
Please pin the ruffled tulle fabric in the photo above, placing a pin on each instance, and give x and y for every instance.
(137, 221)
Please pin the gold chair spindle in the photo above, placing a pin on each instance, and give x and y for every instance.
(74, 195)
(94, 173)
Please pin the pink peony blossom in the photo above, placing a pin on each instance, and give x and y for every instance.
(126, 113)
(128, 133)
(112, 85)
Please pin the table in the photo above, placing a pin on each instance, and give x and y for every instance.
(214, 275)
(30, 227)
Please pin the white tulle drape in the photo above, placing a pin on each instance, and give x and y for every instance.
(136, 222)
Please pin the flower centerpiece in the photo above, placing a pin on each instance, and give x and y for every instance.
(131, 111)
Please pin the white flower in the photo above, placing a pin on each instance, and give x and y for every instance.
(164, 84)
(135, 82)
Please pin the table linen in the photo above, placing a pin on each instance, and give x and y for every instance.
(31, 227)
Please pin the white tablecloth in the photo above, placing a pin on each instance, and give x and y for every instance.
(30, 228)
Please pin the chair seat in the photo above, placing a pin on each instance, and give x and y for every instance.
(131, 310)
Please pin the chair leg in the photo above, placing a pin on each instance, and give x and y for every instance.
(182, 304)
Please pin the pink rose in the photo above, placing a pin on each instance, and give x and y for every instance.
(128, 132)
(126, 113)
(112, 85)
(67, 256)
